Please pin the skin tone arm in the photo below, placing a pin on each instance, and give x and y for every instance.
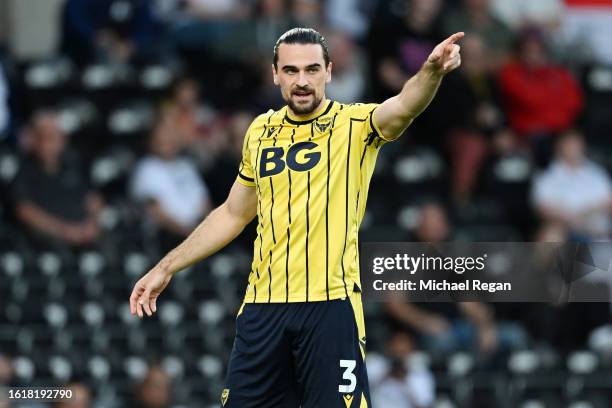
(156, 211)
(164, 220)
(481, 316)
(218, 229)
(75, 233)
(395, 114)
(424, 321)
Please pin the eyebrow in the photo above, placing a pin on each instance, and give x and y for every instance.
(315, 65)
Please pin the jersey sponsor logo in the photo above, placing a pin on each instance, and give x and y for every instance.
(224, 396)
(300, 157)
(348, 399)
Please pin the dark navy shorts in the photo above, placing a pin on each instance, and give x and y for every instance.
(292, 355)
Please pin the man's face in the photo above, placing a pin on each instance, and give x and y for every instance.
(571, 149)
(302, 75)
(164, 142)
(49, 139)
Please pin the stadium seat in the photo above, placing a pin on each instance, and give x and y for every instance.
(48, 74)
(25, 369)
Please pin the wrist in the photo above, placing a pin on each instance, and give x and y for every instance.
(431, 70)
(165, 268)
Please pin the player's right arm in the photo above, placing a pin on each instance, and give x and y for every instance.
(218, 229)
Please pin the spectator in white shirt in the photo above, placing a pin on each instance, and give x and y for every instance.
(408, 383)
(170, 187)
(574, 191)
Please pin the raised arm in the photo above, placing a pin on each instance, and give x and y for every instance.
(218, 229)
(395, 114)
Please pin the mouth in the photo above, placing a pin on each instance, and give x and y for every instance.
(302, 95)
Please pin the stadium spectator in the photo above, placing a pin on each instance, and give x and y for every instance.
(271, 19)
(187, 112)
(349, 84)
(469, 103)
(215, 10)
(348, 16)
(6, 371)
(52, 196)
(155, 390)
(398, 48)
(227, 140)
(574, 191)
(476, 18)
(169, 186)
(433, 224)
(209, 26)
(110, 31)
(505, 176)
(442, 328)
(81, 396)
(586, 28)
(307, 13)
(408, 384)
(516, 14)
(540, 99)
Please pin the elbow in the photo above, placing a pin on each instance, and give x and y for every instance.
(238, 218)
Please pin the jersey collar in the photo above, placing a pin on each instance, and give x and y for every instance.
(294, 120)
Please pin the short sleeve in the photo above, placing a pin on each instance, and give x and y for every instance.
(365, 111)
(145, 183)
(246, 174)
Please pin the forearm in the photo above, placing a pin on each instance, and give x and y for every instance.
(214, 233)
(398, 112)
(408, 314)
(395, 114)
(36, 217)
(478, 313)
(165, 221)
(418, 92)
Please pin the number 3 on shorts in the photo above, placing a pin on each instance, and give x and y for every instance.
(349, 375)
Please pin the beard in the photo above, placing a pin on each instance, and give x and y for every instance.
(303, 108)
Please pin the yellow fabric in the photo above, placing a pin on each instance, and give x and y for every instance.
(312, 179)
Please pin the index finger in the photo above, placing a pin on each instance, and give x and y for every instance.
(454, 38)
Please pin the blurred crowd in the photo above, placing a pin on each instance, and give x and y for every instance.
(515, 147)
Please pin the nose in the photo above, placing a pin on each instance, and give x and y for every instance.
(302, 81)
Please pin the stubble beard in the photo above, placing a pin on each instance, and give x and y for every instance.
(304, 109)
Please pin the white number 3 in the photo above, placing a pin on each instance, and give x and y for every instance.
(349, 367)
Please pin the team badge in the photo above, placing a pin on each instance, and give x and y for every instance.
(348, 399)
(224, 396)
(322, 124)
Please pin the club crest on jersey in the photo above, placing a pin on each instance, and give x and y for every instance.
(224, 396)
(322, 124)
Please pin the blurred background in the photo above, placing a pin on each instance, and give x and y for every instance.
(121, 126)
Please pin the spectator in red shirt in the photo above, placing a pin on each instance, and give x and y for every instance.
(540, 98)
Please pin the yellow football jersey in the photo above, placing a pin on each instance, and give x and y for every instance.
(311, 177)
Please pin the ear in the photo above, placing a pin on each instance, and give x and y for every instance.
(329, 73)
(275, 75)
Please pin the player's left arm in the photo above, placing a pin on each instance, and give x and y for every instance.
(395, 114)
